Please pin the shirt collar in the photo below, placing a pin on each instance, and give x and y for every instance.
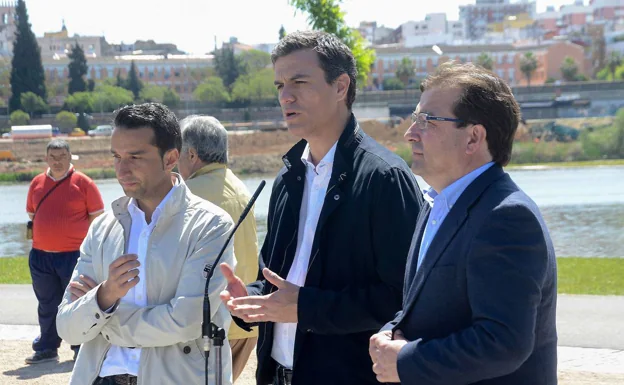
(133, 206)
(49, 174)
(327, 160)
(207, 169)
(452, 192)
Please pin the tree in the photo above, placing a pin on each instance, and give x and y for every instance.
(528, 65)
(83, 122)
(107, 98)
(615, 60)
(26, 69)
(569, 69)
(390, 84)
(66, 121)
(171, 98)
(405, 71)
(91, 85)
(33, 104)
(282, 32)
(485, 60)
(255, 87)
(325, 15)
(134, 83)
(80, 102)
(254, 60)
(152, 93)
(120, 82)
(77, 70)
(228, 66)
(213, 90)
(19, 118)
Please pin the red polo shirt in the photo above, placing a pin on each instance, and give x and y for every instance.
(62, 221)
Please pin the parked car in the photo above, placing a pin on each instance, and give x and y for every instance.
(103, 130)
(77, 132)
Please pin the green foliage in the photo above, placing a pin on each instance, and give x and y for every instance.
(33, 104)
(160, 94)
(171, 98)
(19, 118)
(66, 121)
(606, 142)
(390, 84)
(326, 15)
(405, 70)
(107, 98)
(255, 87)
(77, 70)
(569, 69)
(228, 66)
(615, 61)
(613, 70)
(485, 60)
(83, 122)
(282, 32)
(80, 102)
(212, 91)
(133, 83)
(254, 61)
(26, 69)
(528, 65)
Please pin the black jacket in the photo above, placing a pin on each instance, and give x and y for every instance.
(357, 264)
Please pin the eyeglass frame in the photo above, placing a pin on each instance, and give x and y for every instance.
(434, 118)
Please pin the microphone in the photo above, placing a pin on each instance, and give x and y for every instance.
(209, 330)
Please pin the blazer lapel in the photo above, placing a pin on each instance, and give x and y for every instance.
(449, 228)
(412, 261)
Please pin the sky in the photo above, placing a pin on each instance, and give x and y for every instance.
(193, 24)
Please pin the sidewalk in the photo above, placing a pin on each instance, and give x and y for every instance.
(591, 340)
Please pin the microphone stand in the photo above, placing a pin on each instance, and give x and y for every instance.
(210, 331)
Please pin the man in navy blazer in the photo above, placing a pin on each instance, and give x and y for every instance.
(480, 289)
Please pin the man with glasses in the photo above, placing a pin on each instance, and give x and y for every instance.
(480, 288)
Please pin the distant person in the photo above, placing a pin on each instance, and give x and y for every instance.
(61, 204)
(136, 295)
(203, 165)
(480, 291)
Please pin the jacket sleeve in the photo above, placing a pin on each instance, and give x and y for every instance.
(82, 320)
(180, 319)
(394, 209)
(506, 269)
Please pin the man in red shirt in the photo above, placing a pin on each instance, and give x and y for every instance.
(61, 218)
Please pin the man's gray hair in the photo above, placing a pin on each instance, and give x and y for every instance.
(207, 136)
(57, 144)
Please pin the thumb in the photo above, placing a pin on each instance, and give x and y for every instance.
(228, 273)
(275, 279)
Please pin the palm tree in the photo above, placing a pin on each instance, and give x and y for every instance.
(528, 65)
(485, 60)
(569, 69)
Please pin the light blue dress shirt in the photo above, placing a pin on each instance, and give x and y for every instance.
(441, 204)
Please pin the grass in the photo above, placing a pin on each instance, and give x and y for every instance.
(27, 176)
(597, 276)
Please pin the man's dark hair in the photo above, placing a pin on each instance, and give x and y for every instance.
(155, 116)
(334, 56)
(57, 144)
(485, 99)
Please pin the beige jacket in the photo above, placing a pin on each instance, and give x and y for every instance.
(217, 184)
(188, 236)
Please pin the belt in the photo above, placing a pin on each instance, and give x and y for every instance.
(119, 379)
(283, 375)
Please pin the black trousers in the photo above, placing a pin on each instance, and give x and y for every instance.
(50, 273)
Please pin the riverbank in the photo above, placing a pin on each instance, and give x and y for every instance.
(595, 276)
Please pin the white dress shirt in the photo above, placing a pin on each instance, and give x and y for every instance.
(314, 190)
(125, 360)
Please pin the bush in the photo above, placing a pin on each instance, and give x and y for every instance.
(19, 118)
(606, 142)
(392, 84)
(66, 121)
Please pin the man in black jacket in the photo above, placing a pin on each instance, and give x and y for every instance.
(341, 216)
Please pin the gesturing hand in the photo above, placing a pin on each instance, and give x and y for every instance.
(123, 275)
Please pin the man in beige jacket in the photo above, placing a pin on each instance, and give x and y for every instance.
(203, 165)
(135, 298)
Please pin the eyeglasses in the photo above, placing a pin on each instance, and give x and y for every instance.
(422, 118)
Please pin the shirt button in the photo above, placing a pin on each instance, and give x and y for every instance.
(299, 178)
(97, 316)
(434, 221)
(336, 197)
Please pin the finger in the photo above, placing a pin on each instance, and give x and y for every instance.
(258, 300)
(73, 297)
(88, 281)
(398, 336)
(127, 276)
(249, 310)
(260, 318)
(130, 284)
(275, 279)
(123, 259)
(76, 291)
(78, 287)
(225, 296)
(228, 273)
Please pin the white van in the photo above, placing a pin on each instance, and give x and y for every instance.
(104, 130)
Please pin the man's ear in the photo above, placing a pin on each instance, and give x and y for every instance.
(342, 84)
(171, 159)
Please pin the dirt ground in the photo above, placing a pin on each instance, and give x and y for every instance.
(13, 371)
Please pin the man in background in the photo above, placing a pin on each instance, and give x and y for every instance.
(61, 204)
(203, 165)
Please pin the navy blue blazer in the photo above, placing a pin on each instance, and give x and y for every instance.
(484, 299)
